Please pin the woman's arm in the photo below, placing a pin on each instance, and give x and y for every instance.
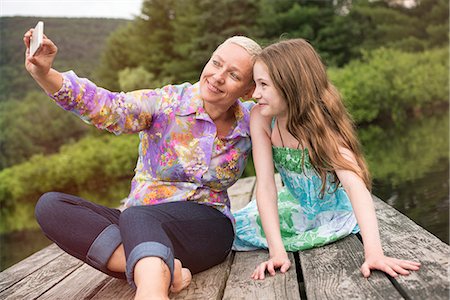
(266, 195)
(115, 112)
(362, 204)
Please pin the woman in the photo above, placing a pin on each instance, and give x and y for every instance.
(194, 141)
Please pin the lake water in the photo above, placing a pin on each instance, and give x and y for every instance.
(409, 163)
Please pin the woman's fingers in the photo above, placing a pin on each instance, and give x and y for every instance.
(27, 36)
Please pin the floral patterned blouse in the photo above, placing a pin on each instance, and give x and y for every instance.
(180, 156)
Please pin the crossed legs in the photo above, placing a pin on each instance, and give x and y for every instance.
(140, 242)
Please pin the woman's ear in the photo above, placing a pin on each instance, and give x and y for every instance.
(248, 94)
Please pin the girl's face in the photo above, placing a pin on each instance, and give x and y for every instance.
(267, 96)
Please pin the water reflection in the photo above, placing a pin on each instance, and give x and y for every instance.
(410, 167)
(424, 200)
(17, 245)
(21, 243)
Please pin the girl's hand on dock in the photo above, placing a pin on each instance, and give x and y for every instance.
(40, 64)
(391, 266)
(279, 261)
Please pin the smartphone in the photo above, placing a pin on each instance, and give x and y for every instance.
(36, 38)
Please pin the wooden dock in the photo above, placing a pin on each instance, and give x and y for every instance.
(329, 272)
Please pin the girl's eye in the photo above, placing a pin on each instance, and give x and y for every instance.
(263, 84)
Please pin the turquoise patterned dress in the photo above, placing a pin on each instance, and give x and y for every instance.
(306, 220)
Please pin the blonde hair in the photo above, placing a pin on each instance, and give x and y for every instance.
(249, 45)
(316, 115)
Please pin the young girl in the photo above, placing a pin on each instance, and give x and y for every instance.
(301, 126)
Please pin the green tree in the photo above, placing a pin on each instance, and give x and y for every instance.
(118, 55)
(403, 153)
(146, 41)
(388, 82)
(92, 162)
(382, 25)
(139, 78)
(173, 39)
(324, 24)
(200, 26)
(412, 29)
(435, 17)
(341, 30)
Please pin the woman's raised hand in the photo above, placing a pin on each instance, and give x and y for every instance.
(40, 64)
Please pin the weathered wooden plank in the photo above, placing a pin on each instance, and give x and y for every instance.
(115, 289)
(241, 286)
(81, 284)
(205, 285)
(332, 272)
(209, 284)
(27, 266)
(239, 201)
(403, 238)
(241, 192)
(242, 186)
(43, 279)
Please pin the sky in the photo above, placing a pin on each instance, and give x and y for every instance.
(125, 9)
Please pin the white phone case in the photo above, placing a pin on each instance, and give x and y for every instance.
(36, 38)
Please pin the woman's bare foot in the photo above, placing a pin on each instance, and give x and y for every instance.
(181, 277)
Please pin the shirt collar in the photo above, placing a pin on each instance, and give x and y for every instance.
(192, 103)
(242, 115)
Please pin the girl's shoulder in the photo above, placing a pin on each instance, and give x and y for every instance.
(259, 124)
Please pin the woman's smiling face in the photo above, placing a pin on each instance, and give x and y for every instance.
(227, 76)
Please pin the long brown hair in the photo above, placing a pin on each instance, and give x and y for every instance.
(316, 115)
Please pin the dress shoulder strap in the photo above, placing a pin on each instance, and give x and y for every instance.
(272, 125)
(279, 132)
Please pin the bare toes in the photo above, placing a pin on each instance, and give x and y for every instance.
(181, 277)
